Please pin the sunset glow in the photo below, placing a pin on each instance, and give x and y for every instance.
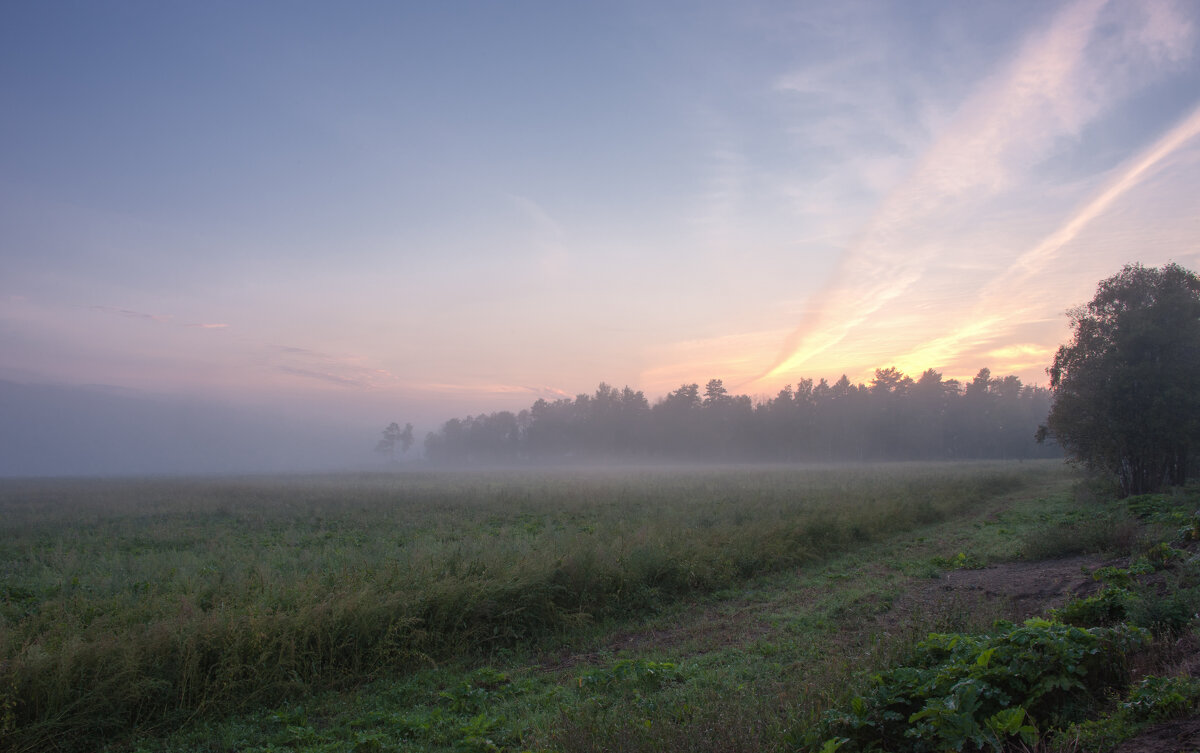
(378, 212)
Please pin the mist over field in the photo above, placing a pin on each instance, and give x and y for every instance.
(653, 377)
(56, 430)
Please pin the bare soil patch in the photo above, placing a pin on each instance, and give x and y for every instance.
(1180, 736)
(1018, 590)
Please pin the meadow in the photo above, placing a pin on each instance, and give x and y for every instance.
(209, 614)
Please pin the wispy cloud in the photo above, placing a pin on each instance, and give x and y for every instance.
(733, 358)
(131, 314)
(1061, 80)
(548, 236)
(1008, 297)
(302, 351)
(321, 376)
(343, 370)
(157, 318)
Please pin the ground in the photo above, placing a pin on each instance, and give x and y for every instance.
(1016, 589)
(1180, 736)
(1022, 589)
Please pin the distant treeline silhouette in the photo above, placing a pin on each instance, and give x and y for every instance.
(893, 418)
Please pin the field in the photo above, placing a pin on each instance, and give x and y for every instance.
(657, 609)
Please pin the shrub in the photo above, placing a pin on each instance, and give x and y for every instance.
(983, 690)
(1108, 607)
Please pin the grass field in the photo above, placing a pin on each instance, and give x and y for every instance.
(478, 611)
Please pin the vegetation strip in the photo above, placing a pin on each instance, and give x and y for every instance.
(820, 640)
(129, 608)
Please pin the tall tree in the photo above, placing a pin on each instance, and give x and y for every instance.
(393, 435)
(1127, 387)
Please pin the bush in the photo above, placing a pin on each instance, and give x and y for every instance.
(1108, 607)
(983, 690)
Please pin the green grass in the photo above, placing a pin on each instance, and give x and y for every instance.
(140, 604)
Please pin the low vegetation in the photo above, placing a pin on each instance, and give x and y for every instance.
(759, 609)
(987, 690)
(131, 603)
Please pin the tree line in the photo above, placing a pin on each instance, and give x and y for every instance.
(894, 417)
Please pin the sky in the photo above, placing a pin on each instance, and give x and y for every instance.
(377, 211)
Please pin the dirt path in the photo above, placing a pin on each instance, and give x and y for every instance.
(1017, 589)
(1011, 590)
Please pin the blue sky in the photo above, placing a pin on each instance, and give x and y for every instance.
(431, 209)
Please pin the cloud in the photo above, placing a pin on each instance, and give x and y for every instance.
(442, 388)
(1061, 80)
(729, 357)
(157, 318)
(129, 313)
(321, 376)
(1008, 297)
(548, 235)
(345, 370)
(302, 351)
(1035, 259)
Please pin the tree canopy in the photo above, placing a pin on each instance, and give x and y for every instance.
(894, 417)
(1127, 387)
(393, 435)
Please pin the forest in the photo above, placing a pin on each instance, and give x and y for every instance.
(894, 417)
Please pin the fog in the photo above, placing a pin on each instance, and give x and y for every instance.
(62, 430)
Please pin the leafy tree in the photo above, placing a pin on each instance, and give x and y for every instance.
(1127, 387)
(393, 435)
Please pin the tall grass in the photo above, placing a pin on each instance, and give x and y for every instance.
(125, 604)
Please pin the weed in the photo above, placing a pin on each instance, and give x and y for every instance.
(1152, 699)
(641, 674)
(1113, 534)
(1191, 531)
(1108, 607)
(960, 561)
(1155, 698)
(982, 690)
(1150, 506)
(132, 602)
(1163, 555)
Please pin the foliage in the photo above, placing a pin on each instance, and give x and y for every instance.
(447, 710)
(1130, 596)
(1155, 698)
(1127, 387)
(393, 435)
(1152, 699)
(639, 673)
(128, 603)
(1108, 607)
(893, 418)
(960, 561)
(984, 690)
(1191, 532)
(738, 692)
